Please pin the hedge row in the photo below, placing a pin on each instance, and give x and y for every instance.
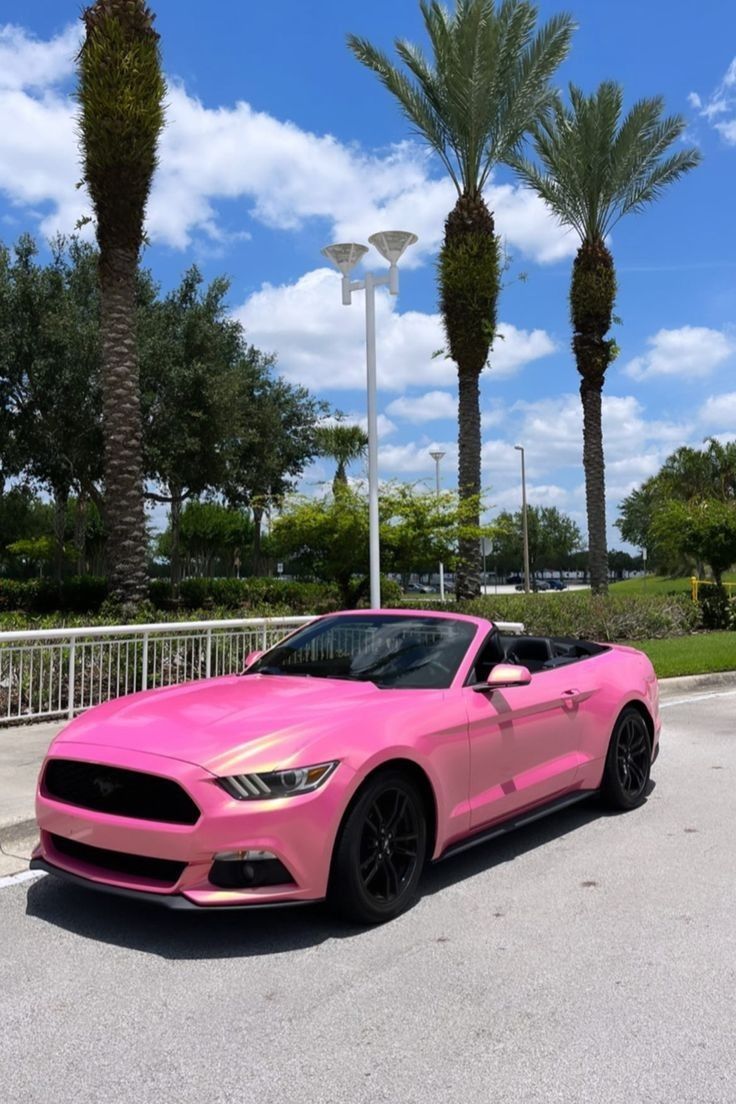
(584, 615)
(86, 594)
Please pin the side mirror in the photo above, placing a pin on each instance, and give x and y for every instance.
(251, 658)
(505, 675)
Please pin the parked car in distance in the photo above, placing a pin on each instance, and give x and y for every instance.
(535, 584)
(513, 579)
(419, 588)
(556, 584)
(342, 760)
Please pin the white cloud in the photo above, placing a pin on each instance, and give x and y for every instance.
(28, 62)
(718, 412)
(430, 407)
(281, 175)
(687, 351)
(719, 109)
(321, 343)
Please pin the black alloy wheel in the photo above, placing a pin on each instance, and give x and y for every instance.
(628, 762)
(381, 850)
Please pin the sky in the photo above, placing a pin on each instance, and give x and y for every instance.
(278, 142)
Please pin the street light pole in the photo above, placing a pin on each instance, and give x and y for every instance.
(345, 255)
(437, 455)
(524, 519)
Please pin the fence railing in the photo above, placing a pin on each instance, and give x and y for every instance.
(48, 673)
(696, 584)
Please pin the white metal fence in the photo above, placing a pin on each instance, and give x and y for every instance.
(49, 673)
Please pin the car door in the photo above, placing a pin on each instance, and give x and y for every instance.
(526, 741)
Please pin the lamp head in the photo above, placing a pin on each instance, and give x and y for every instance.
(436, 454)
(345, 255)
(392, 243)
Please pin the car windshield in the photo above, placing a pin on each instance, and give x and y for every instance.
(387, 649)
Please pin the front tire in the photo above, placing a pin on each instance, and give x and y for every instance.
(381, 850)
(628, 763)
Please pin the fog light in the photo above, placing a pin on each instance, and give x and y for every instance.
(248, 870)
(243, 856)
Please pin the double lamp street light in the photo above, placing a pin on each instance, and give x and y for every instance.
(391, 244)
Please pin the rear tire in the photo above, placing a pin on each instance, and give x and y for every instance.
(381, 850)
(628, 763)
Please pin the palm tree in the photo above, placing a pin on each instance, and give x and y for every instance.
(594, 168)
(121, 93)
(487, 84)
(343, 443)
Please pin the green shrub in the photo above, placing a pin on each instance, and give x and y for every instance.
(78, 594)
(582, 614)
(247, 595)
(718, 610)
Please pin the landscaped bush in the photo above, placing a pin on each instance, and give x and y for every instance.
(581, 614)
(246, 595)
(79, 594)
(718, 609)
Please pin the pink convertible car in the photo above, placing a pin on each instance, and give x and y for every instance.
(341, 761)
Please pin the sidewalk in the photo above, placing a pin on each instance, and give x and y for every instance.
(22, 749)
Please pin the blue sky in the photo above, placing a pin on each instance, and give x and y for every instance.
(278, 142)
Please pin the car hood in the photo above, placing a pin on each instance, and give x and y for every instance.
(227, 722)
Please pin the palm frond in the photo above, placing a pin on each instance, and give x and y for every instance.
(593, 167)
(484, 85)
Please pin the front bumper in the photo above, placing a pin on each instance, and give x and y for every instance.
(299, 831)
(173, 901)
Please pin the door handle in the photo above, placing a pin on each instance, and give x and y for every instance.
(574, 696)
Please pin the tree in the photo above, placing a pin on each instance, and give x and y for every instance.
(121, 95)
(593, 169)
(190, 349)
(553, 538)
(50, 337)
(689, 475)
(486, 85)
(273, 439)
(704, 529)
(327, 538)
(344, 444)
(210, 535)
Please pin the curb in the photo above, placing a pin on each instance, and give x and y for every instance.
(673, 687)
(17, 830)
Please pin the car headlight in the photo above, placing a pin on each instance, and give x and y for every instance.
(285, 783)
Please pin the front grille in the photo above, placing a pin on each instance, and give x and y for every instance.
(138, 866)
(121, 792)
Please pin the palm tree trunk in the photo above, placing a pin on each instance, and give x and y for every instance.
(467, 583)
(125, 521)
(595, 486)
(592, 295)
(469, 286)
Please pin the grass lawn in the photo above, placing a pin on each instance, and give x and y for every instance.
(691, 655)
(658, 584)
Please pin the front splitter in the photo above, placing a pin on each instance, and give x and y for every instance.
(174, 901)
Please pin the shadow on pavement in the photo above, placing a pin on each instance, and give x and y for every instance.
(240, 934)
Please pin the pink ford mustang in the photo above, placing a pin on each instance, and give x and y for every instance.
(341, 761)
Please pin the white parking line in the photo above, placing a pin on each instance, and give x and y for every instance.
(24, 876)
(698, 697)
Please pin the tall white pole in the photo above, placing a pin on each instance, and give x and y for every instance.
(373, 533)
(525, 520)
(442, 566)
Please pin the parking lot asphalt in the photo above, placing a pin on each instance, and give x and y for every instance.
(586, 958)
